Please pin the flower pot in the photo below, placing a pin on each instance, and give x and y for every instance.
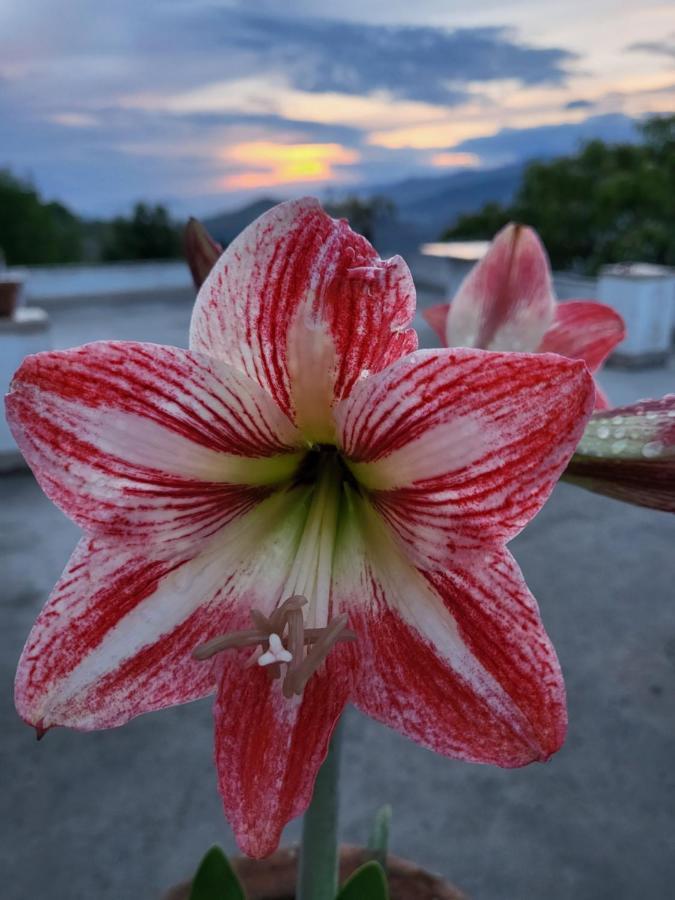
(274, 878)
(10, 293)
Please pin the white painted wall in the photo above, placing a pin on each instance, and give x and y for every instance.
(77, 282)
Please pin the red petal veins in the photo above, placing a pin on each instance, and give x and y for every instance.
(584, 329)
(140, 440)
(457, 658)
(269, 749)
(437, 317)
(506, 301)
(116, 636)
(295, 260)
(462, 447)
(74, 672)
(507, 709)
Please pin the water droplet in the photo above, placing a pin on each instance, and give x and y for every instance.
(617, 420)
(635, 434)
(671, 413)
(652, 449)
(652, 415)
(619, 432)
(618, 447)
(603, 432)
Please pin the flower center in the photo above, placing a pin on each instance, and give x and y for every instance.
(282, 640)
(294, 639)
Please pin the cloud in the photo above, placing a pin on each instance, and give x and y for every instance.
(658, 48)
(415, 63)
(520, 144)
(578, 104)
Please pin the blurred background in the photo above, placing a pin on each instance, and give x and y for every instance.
(428, 125)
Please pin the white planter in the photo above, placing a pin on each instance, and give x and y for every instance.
(645, 296)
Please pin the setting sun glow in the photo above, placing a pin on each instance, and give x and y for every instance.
(269, 164)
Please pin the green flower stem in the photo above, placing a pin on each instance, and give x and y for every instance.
(318, 865)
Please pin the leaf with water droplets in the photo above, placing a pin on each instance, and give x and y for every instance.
(629, 454)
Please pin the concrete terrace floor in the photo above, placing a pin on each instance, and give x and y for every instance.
(126, 813)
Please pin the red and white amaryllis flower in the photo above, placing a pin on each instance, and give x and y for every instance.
(507, 302)
(300, 495)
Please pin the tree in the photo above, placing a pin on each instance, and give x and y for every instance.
(32, 231)
(607, 203)
(363, 215)
(148, 234)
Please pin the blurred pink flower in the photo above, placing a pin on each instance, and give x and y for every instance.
(506, 302)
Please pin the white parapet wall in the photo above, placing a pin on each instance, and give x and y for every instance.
(59, 284)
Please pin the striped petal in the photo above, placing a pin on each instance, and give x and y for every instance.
(148, 442)
(116, 636)
(305, 306)
(269, 749)
(506, 301)
(584, 329)
(461, 447)
(455, 659)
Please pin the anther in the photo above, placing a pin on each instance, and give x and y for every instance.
(304, 650)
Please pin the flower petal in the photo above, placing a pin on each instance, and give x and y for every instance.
(462, 447)
(437, 317)
(147, 442)
(584, 329)
(506, 301)
(269, 749)
(455, 659)
(293, 277)
(629, 453)
(116, 636)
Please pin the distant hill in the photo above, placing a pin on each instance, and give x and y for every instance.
(226, 226)
(424, 206)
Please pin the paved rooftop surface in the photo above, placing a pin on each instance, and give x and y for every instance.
(126, 813)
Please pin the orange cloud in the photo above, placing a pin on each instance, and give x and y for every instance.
(269, 164)
(464, 160)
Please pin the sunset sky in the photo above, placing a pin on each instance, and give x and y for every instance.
(203, 104)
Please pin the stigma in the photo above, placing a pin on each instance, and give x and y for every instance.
(282, 644)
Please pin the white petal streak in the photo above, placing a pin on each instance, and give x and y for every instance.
(130, 439)
(456, 660)
(114, 613)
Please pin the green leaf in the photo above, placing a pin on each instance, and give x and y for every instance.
(368, 883)
(378, 842)
(215, 879)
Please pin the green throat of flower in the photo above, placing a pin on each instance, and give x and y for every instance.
(293, 640)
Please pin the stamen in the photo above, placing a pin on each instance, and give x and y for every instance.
(326, 640)
(226, 642)
(305, 651)
(280, 616)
